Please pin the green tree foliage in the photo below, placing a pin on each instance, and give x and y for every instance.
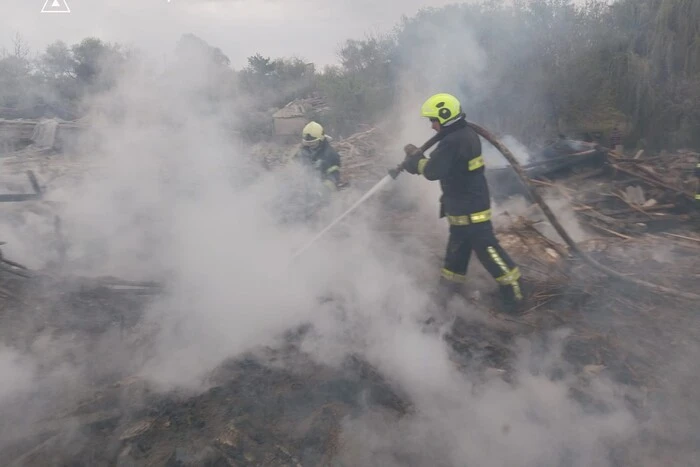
(274, 82)
(57, 69)
(363, 87)
(57, 62)
(14, 80)
(16, 83)
(537, 67)
(96, 64)
(265, 84)
(657, 68)
(513, 66)
(532, 68)
(198, 53)
(203, 70)
(57, 79)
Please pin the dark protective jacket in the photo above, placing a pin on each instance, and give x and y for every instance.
(324, 160)
(458, 164)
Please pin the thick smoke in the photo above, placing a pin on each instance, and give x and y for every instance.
(464, 419)
(175, 197)
(17, 374)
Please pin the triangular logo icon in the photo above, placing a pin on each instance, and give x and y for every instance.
(55, 6)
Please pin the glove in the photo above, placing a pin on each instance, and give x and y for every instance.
(330, 185)
(413, 156)
(412, 150)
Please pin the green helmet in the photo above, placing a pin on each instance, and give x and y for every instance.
(441, 107)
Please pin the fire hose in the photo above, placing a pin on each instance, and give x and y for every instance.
(527, 184)
(553, 219)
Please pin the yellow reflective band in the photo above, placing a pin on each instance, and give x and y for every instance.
(476, 163)
(453, 276)
(330, 184)
(421, 165)
(698, 166)
(510, 276)
(697, 196)
(497, 259)
(482, 216)
(458, 220)
(332, 169)
(475, 218)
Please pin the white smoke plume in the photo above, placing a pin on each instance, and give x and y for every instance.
(176, 198)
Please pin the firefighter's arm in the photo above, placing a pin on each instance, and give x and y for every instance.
(331, 170)
(436, 167)
(291, 155)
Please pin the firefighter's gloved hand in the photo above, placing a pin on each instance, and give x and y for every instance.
(330, 186)
(413, 156)
(412, 150)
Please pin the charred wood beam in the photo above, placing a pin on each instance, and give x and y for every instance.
(651, 178)
(574, 158)
(563, 233)
(10, 198)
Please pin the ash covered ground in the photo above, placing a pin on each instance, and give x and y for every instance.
(210, 367)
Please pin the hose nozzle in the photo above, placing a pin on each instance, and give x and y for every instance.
(396, 171)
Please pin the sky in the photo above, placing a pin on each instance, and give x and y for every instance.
(309, 29)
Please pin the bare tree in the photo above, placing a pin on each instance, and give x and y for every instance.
(20, 46)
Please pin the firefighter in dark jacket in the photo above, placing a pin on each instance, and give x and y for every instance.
(317, 153)
(457, 162)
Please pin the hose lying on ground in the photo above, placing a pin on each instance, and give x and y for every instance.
(562, 232)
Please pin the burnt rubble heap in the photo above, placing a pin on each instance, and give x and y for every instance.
(639, 219)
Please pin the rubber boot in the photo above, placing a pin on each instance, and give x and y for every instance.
(441, 297)
(510, 303)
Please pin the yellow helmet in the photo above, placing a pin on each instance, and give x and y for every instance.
(312, 134)
(442, 107)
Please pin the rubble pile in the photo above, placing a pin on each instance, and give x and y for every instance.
(47, 134)
(270, 155)
(626, 196)
(13, 278)
(277, 407)
(670, 169)
(272, 407)
(50, 167)
(361, 157)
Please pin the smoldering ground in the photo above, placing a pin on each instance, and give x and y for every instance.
(170, 204)
(176, 199)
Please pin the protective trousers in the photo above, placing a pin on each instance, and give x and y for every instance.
(480, 238)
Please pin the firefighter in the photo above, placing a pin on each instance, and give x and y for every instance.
(458, 164)
(317, 153)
